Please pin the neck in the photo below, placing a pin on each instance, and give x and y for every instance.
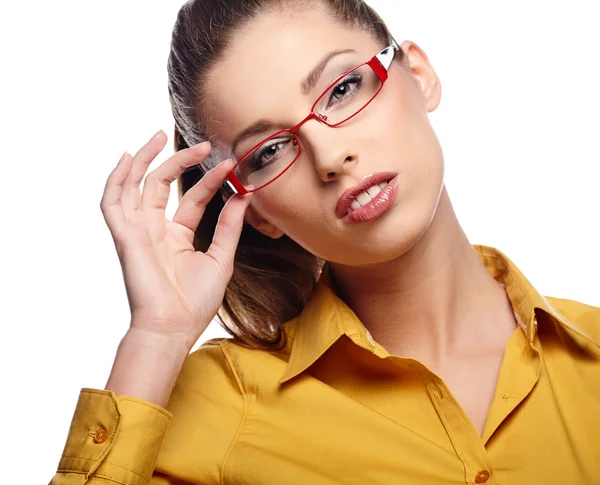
(435, 302)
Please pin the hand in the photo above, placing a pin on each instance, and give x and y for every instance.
(173, 290)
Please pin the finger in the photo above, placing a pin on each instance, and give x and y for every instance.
(228, 231)
(131, 197)
(157, 185)
(193, 203)
(110, 204)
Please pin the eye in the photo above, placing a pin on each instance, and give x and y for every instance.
(269, 153)
(346, 88)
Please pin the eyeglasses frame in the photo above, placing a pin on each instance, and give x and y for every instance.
(380, 63)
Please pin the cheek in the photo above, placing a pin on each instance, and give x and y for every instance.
(289, 203)
(301, 212)
(411, 138)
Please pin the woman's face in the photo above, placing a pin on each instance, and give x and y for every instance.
(260, 76)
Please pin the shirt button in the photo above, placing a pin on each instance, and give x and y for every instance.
(482, 477)
(100, 436)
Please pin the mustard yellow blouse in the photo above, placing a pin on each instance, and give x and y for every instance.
(336, 407)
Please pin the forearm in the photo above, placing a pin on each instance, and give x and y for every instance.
(146, 366)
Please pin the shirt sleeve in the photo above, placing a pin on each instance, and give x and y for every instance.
(112, 440)
(128, 441)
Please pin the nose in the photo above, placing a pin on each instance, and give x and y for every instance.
(329, 149)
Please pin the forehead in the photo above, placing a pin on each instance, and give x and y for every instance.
(260, 74)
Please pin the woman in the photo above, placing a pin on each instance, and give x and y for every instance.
(372, 342)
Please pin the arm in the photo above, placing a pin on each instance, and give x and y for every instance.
(174, 291)
(116, 433)
(186, 442)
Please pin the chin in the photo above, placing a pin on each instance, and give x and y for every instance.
(380, 241)
(386, 238)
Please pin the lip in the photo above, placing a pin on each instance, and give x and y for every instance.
(346, 199)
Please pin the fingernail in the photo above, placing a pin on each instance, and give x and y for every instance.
(158, 133)
(122, 157)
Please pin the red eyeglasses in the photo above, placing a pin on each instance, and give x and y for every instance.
(345, 97)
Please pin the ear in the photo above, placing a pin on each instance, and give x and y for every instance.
(253, 218)
(421, 69)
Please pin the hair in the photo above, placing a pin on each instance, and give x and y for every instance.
(272, 278)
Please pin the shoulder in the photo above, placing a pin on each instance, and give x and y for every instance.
(209, 369)
(217, 382)
(583, 316)
(227, 369)
(207, 379)
(208, 406)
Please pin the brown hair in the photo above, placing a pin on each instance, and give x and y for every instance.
(272, 278)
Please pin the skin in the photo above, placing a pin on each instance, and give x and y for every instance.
(411, 275)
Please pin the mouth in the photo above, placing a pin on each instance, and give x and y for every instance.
(372, 192)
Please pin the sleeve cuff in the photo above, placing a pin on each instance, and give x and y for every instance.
(116, 438)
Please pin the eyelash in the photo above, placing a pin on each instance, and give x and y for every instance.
(350, 79)
(265, 148)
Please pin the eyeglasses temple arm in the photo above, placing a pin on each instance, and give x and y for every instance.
(386, 56)
(235, 184)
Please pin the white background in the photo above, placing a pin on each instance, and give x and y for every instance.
(83, 81)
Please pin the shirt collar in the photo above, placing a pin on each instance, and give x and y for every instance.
(326, 317)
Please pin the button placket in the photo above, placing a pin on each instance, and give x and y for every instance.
(469, 449)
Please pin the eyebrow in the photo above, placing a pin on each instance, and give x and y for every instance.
(306, 86)
(313, 76)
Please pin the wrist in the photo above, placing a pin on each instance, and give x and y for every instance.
(147, 365)
(158, 341)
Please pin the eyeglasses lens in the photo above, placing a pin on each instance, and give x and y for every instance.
(343, 100)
